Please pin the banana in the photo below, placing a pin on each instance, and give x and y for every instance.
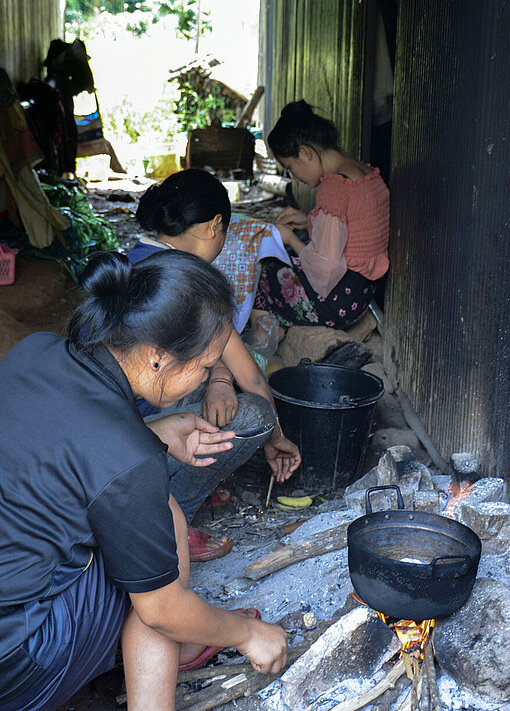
(294, 502)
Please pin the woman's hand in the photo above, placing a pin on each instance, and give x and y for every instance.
(282, 455)
(290, 217)
(187, 435)
(266, 648)
(220, 403)
(290, 238)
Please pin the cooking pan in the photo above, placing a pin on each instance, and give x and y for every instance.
(411, 565)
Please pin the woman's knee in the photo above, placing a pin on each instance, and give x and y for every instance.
(254, 409)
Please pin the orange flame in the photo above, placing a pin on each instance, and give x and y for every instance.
(459, 493)
(412, 636)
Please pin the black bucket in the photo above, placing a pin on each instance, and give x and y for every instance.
(327, 411)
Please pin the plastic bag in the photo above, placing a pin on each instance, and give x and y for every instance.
(262, 339)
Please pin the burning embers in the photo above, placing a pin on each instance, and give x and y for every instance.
(416, 660)
(413, 636)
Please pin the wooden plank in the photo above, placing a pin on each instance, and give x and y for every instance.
(332, 539)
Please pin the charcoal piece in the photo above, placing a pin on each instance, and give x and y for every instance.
(349, 354)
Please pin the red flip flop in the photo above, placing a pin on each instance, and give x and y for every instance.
(197, 548)
(210, 652)
(219, 497)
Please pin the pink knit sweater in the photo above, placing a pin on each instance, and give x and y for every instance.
(363, 205)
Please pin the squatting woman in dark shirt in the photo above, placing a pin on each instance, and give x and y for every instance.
(92, 543)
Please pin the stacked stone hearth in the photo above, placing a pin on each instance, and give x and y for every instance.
(471, 647)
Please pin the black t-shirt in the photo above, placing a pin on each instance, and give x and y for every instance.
(78, 469)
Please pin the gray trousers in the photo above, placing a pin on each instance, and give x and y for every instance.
(192, 485)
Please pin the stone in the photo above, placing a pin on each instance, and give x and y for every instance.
(399, 465)
(378, 370)
(362, 329)
(473, 644)
(465, 466)
(379, 500)
(442, 482)
(375, 344)
(426, 500)
(393, 437)
(389, 413)
(497, 546)
(367, 481)
(487, 518)
(357, 645)
(488, 489)
(309, 342)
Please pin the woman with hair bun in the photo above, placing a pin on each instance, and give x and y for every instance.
(333, 276)
(94, 543)
(190, 211)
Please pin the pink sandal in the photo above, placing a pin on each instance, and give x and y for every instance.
(209, 652)
(198, 550)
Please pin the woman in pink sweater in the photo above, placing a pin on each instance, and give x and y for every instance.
(334, 274)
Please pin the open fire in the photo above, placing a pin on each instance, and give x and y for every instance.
(459, 493)
(412, 635)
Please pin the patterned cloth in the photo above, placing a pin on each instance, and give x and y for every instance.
(247, 242)
(287, 293)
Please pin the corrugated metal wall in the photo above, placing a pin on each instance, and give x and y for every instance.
(447, 315)
(26, 30)
(316, 52)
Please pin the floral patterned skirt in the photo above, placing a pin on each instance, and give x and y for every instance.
(286, 292)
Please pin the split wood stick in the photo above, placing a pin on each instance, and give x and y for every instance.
(246, 114)
(424, 701)
(386, 701)
(435, 701)
(333, 539)
(388, 682)
(213, 696)
(229, 670)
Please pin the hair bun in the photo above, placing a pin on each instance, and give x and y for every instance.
(297, 108)
(107, 275)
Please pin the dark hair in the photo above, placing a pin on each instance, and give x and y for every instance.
(172, 300)
(184, 199)
(299, 126)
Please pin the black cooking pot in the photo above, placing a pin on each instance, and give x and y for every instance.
(411, 565)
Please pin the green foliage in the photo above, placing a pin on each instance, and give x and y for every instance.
(88, 233)
(79, 12)
(203, 106)
(158, 125)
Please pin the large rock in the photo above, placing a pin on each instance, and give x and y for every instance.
(473, 644)
(308, 342)
(354, 646)
(313, 341)
(393, 437)
(487, 518)
(398, 465)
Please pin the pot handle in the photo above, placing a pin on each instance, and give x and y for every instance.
(368, 505)
(461, 571)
